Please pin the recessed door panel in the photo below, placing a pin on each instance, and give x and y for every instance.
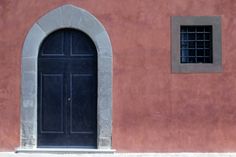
(53, 45)
(83, 106)
(80, 49)
(51, 103)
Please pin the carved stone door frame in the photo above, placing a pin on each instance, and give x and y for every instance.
(67, 16)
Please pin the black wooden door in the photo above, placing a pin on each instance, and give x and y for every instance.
(67, 90)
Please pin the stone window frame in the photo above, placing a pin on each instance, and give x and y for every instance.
(67, 16)
(177, 66)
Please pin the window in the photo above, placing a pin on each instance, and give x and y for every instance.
(196, 44)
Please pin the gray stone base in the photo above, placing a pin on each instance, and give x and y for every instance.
(64, 151)
(12, 154)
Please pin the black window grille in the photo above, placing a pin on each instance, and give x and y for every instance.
(196, 44)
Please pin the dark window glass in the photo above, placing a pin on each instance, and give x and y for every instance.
(184, 36)
(200, 36)
(191, 36)
(200, 52)
(196, 44)
(200, 44)
(191, 44)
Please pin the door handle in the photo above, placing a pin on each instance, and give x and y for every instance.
(69, 99)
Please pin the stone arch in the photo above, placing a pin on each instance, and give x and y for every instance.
(67, 16)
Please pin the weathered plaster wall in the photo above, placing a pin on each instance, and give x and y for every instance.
(153, 110)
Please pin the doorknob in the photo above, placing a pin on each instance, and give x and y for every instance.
(69, 99)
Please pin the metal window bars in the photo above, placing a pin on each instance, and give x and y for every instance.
(196, 44)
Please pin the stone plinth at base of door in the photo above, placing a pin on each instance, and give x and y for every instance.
(12, 154)
(65, 151)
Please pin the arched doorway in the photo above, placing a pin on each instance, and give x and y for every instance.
(67, 90)
(69, 17)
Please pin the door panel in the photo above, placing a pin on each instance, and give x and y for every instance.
(67, 91)
(82, 104)
(53, 45)
(52, 103)
(85, 48)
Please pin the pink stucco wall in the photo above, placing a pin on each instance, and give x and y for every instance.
(153, 109)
